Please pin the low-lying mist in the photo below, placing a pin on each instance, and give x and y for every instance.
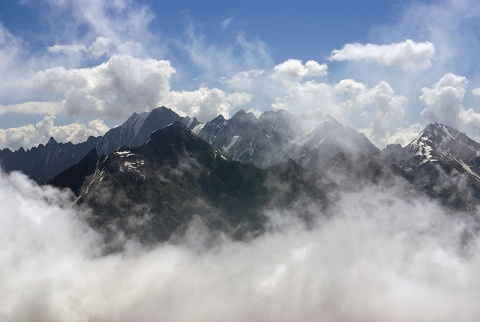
(380, 254)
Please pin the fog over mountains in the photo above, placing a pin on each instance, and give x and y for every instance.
(280, 218)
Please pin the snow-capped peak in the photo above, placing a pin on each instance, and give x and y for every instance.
(441, 142)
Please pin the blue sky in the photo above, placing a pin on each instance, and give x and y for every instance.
(70, 69)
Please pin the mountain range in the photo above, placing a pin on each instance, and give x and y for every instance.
(152, 177)
(43, 162)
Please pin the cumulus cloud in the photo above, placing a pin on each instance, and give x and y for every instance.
(476, 91)
(293, 69)
(306, 98)
(100, 47)
(406, 54)
(387, 106)
(402, 135)
(33, 134)
(383, 254)
(444, 103)
(379, 106)
(289, 85)
(204, 103)
(350, 102)
(444, 99)
(114, 89)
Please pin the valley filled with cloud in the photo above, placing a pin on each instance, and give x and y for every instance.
(379, 254)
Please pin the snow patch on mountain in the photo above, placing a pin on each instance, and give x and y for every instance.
(225, 149)
(123, 154)
(424, 149)
(134, 166)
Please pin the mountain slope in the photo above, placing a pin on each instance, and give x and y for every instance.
(74, 176)
(275, 137)
(443, 162)
(155, 190)
(43, 162)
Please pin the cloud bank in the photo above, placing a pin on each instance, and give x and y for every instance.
(32, 135)
(379, 254)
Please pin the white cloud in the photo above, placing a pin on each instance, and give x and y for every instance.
(387, 107)
(42, 108)
(33, 135)
(379, 106)
(476, 91)
(294, 70)
(204, 103)
(67, 49)
(288, 85)
(407, 54)
(450, 24)
(350, 102)
(400, 135)
(114, 89)
(380, 250)
(404, 136)
(375, 111)
(306, 98)
(100, 47)
(352, 92)
(255, 112)
(444, 99)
